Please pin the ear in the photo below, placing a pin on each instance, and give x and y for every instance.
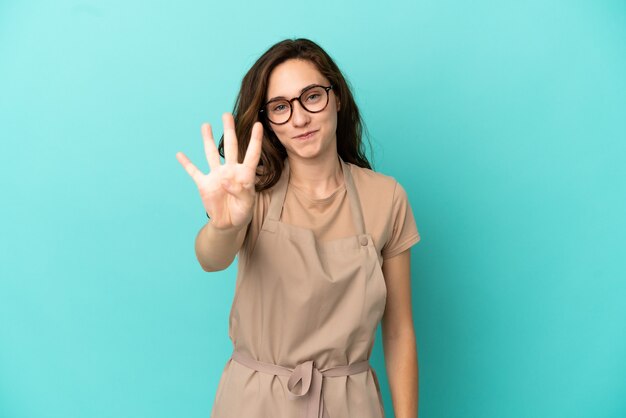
(338, 103)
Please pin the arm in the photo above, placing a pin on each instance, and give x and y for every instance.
(227, 192)
(216, 248)
(399, 336)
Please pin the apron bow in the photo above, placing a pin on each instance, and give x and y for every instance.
(310, 377)
(311, 388)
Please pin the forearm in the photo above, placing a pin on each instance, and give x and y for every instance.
(216, 248)
(402, 372)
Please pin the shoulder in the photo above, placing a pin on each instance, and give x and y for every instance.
(374, 185)
(381, 196)
(386, 211)
(370, 177)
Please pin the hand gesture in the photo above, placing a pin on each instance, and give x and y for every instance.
(227, 192)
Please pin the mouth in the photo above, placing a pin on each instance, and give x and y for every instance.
(305, 135)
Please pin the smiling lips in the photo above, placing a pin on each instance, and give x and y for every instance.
(305, 135)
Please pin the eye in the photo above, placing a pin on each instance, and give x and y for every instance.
(280, 107)
(313, 97)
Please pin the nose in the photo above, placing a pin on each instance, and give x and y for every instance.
(299, 116)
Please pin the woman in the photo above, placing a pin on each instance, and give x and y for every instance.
(323, 244)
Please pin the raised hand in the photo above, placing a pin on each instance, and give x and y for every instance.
(227, 192)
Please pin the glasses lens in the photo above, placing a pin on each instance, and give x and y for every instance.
(278, 111)
(314, 99)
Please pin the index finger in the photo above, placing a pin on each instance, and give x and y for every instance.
(253, 152)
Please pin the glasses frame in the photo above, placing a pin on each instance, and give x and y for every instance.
(298, 98)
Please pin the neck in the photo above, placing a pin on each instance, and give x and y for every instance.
(316, 177)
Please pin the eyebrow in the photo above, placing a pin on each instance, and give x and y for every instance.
(301, 91)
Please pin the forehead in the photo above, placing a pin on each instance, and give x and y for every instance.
(290, 77)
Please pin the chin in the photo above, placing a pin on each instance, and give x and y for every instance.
(305, 155)
(309, 153)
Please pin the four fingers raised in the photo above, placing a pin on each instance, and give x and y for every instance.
(253, 152)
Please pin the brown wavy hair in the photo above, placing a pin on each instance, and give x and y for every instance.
(251, 98)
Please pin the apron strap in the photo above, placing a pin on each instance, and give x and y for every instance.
(353, 196)
(277, 198)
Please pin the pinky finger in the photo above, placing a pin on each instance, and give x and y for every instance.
(191, 169)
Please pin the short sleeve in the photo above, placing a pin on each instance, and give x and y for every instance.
(403, 232)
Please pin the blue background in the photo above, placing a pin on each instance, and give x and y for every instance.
(504, 121)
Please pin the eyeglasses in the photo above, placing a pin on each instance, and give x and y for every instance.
(313, 99)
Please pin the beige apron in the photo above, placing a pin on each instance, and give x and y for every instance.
(303, 322)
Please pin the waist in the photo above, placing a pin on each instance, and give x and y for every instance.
(275, 369)
(308, 375)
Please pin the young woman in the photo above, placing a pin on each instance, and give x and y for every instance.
(323, 248)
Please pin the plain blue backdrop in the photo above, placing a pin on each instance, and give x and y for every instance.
(504, 121)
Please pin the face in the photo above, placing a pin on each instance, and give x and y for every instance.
(288, 80)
